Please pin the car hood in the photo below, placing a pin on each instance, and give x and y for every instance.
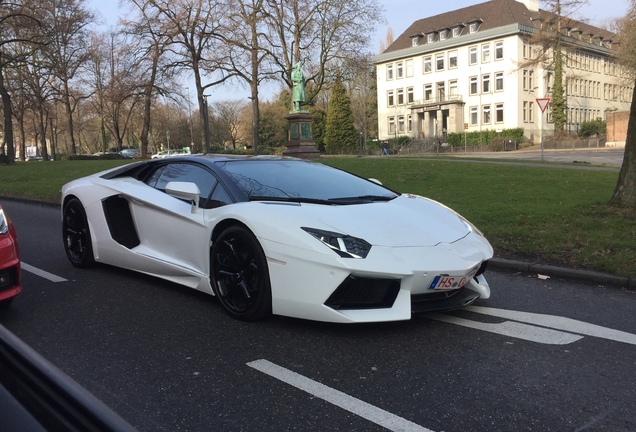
(406, 221)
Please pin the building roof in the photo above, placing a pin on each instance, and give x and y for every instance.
(491, 14)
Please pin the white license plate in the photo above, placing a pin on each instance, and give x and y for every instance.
(446, 282)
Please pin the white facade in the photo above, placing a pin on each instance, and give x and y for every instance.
(468, 76)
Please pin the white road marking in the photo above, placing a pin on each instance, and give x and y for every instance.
(36, 271)
(338, 398)
(513, 329)
(559, 323)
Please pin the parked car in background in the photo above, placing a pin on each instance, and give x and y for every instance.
(130, 153)
(9, 260)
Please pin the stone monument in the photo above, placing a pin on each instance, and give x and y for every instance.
(299, 140)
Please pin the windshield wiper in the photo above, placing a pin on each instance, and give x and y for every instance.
(362, 199)
(290, 199)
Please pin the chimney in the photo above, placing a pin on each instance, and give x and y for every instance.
(532, 5)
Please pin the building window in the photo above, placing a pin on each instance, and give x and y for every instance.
(441, 91)
(416, 40)
(390, 98)
(391, 125)
(472, 55)
(400, 97)
(389, 72)
(485, 83)
(485, 114)
(399, 70)
(401, 124)
(528, 80)
(499, 81)
(409, 123)
(499, 50)
(428, 92)
(453, 91)
(473, 115)
(474, 89)
(443, 34)
(457, 31)
(439, 62)
(409, 68)
(528, 112)
(499, 113)
(428, 64)
(409, 95)
(473, 27)
(452, 59)
(485, 53)
(430, 38)
(527, 50)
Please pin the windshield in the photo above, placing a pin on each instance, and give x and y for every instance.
(294, 180)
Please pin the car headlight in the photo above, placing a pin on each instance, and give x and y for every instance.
(342, 244)
(4, 223)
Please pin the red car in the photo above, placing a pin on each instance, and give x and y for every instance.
(9, 261)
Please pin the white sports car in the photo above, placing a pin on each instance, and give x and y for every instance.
(275, 235)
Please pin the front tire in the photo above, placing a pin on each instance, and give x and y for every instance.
(240, 276)
(77, 236)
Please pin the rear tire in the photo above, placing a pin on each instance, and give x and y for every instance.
(77, 236)
(239, 275)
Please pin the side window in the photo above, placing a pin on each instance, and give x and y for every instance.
(184, 172)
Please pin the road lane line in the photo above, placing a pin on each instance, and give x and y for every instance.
(513, 329)
(559, 323)
(338, 398)
(36, 271)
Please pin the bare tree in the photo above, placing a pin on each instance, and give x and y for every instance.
(550, 40)
(245, 37)
(320, 33)
(151, 46)
(193, 30)
(67, 51)
(19, 28)
(229, 115)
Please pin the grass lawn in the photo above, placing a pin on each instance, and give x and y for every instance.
(538, 212)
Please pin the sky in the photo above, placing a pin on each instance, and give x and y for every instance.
(399, 14)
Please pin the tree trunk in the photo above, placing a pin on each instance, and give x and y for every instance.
(69, 117)
(8, 125)
(625, 192)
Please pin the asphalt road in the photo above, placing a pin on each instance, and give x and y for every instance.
(540, 355)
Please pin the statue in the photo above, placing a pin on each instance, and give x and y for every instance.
(298, 91)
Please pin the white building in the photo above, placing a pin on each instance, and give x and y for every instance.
(462, 71)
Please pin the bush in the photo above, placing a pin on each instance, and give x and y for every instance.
(593, 127)
(485, 137)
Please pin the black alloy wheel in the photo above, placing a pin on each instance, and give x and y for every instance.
(77, 236)
(240, 276)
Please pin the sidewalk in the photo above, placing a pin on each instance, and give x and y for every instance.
(604, 157)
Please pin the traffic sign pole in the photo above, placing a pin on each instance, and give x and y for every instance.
(543, 104)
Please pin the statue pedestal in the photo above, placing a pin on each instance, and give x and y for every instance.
(300, 144)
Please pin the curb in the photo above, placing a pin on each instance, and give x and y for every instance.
(563, 272)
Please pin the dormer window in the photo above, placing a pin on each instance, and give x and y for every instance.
(430, 38)
(473, 27)
(415, 40)
(457, 31)
(443, 35)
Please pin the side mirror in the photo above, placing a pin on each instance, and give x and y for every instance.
(186, 191)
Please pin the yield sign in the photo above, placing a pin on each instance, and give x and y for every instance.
(543, 103)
